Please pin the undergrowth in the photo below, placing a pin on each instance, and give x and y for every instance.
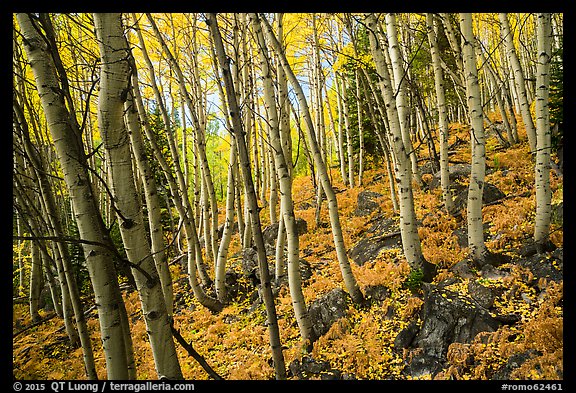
(235, 341)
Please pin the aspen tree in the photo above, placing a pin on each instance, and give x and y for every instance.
(114, 88)
(68, 285)
(347, 275)
(543, 134)
(285, 183)
(157, 245)
(193, 251)
(477, 140)
(442, 115)
(399, 75)
(99, 258)
(403, 173)
(200, 131)
(200, 268)
(272, 321)
(519, 79)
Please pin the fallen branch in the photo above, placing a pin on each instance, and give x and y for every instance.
(192, 352)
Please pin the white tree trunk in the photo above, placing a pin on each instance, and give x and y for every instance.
(114, 88)
(478, 170)
(99, 259)
(543, 142)
(272, 321)
(402, 165)
(519, 80)
(152, 201)
(348, 276)
(287, 204)
(400, 93)
(442, 115)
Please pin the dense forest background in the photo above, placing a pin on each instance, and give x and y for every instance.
(287, 196)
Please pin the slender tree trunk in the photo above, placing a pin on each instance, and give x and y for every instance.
(285, 180)
(519, 80)
(348, 276)
(187, 215)
(401, 96)
(200, 267)
(68, 284)
(349, 150)
(274, 334)
(99, 258)
(543, 140)
(442, 116)
(200, 128)
(341, 154)
(478, 170)
(36, 282)
(408, 225)
(220, 275)
(360, 130)
(153, 209)
(114, 88)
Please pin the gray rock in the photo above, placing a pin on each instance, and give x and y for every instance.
(326, 310)
(490, 194)
(462, 269)
(447, 318)
(270, 233)
(483, 295)
(406, 336)
(549, 265)
(366, 202)
(514, 362)
(368, 248)
(423, 364)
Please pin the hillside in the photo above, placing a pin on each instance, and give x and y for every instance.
(502, 322)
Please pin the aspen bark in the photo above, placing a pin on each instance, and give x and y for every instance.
(285, 183)
(68, 285)
(274, 335)
(348, 276)
(442, 116)
(519, 80)
(408, 225)
(543, 134)
(99, 258)
(477, 140)
(193, 248)
(399, 75)
(114, 89)
(152, 201)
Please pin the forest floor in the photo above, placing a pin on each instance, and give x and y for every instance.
(359, 345)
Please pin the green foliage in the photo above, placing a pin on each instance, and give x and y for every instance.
(414, 280)
(78, 261)
(556, 97)
(217, 152)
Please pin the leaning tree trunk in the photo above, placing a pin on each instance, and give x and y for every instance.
(99, 256)
(402, 165)
(68, 284)
(114, 88)
(186, 213)
(442, 116)
(401, 96)
(200, 128)
(152, 202)
(478, 170)
(348, 276)
(543, 143)
(252, 202)
(285, 183)
(519, 80)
